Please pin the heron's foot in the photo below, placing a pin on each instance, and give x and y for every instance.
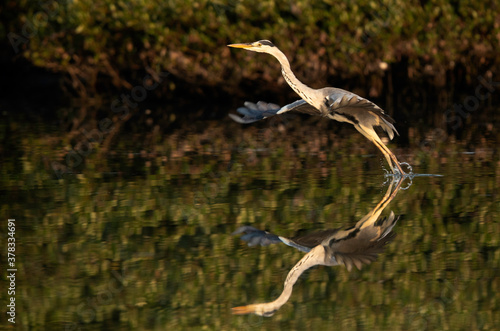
(396, 176)
(398, 171)
(395, 173)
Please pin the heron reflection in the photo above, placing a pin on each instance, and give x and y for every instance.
(334, 103)
(355, 246)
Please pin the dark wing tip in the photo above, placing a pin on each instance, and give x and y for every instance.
(253, 112)
(241, 120)
(256, 237)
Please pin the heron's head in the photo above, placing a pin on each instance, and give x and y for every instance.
(261, 309)
(261, 46)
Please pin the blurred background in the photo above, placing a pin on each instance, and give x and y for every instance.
(126, 176)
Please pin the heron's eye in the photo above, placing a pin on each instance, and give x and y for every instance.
(259, 44)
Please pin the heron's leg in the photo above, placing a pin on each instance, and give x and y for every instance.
(389, 156)
(378, 208)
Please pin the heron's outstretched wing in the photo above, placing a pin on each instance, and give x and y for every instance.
(255, 237)
(309, 240)
(253, 112)
(345, 106)
(355, 247)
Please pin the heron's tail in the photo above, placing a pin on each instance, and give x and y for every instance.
(387, 125)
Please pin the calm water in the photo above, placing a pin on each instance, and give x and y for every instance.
(139, 236)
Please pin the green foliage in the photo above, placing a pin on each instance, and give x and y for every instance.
(324, 38)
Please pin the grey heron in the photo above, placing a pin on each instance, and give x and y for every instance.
(355, 246)
(334, 103)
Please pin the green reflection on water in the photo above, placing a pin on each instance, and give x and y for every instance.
(144, 243)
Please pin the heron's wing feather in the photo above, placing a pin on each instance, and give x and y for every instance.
(349, 107)
(296, 245)
(358, 247)
(300, 106)
(314, 238)
(253, 112)
(256, 237)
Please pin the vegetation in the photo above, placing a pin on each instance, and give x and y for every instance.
(125, 221)
(144, 242)
(119, 42)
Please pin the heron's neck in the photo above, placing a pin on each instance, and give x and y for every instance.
(314, 257)
(300, 88)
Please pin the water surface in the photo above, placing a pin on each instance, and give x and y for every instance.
(139, 236)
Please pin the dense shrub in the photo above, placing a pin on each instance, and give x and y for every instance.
(121, 40)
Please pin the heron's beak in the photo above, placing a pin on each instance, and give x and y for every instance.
(257, 309)
(243, 310)
(246, 45)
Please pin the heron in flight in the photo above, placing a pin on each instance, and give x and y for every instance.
(334, 103)
(355, 246)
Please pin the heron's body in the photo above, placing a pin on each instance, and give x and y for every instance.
(334, 103)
